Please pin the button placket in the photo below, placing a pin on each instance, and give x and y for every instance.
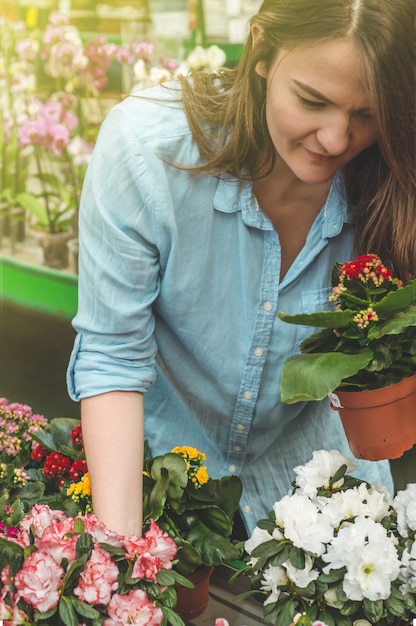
(251, 379)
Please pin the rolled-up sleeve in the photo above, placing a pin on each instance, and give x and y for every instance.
(115, 348)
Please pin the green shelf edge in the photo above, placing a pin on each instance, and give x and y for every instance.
(38, 288)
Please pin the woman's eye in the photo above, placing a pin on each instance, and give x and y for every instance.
(311, 104)
(365, 116)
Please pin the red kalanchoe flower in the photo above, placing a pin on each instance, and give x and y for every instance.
(56, 465)
(38, 453)
(76, 435)
(78, 469)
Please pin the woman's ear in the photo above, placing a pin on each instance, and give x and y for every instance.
(256, 35)
(261, 69)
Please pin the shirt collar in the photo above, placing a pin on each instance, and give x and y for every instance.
(233, 195)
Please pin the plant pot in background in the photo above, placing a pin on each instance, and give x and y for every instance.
(54, 248)
(380, 423)
(193, 602)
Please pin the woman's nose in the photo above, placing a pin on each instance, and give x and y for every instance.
(335, 134)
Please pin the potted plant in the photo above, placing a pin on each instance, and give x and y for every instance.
(196, 511)
(336, 551)
(365, 350)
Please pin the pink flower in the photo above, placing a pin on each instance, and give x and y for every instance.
(134, 608)
(220, 621)
(98, 579)
(146, 566)
(162, 545)
(99, 532)
(39, 518)
(156, 544)
(39, 580)
(58, 540)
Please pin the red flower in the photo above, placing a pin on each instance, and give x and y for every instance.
(76, 435)
(56, 464)
(38, 452)
(78, 469)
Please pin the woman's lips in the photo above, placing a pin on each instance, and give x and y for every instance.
(319, 158)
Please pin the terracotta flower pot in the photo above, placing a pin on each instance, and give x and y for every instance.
(193, 602)
(381, 423)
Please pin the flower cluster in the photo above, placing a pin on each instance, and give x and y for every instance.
(338, 551)
(18, 425)
(75, 570)
(197, 472)
(368, 342)
(195, 510)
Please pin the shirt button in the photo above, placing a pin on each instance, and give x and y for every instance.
(240, 427)
(247, 508)
(267, 306)
(237, 448)
(248, 395)
(231, 469)
(258, 351)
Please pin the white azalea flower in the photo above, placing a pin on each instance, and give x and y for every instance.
(405, 506)
(361, 622)
(258, 537)
(303, 523)
(301, 577)
(318, 472)
(369, 555)
(359, 500)
(274, 576)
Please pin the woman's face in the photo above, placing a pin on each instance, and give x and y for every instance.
(318, 108)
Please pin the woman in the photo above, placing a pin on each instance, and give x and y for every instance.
(211, 205)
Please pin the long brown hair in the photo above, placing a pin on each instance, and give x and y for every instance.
(227, 117)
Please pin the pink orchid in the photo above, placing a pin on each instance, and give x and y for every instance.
(39, 580)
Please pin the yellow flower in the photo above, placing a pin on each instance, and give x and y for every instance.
(189, 453)
(81, 489)
(202, 475)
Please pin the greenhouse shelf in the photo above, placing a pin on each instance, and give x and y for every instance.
(38, 288)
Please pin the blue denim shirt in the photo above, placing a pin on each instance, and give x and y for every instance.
(178, 297)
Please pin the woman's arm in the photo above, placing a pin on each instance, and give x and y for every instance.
(112, 428)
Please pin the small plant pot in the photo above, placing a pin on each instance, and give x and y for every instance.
(193, 602)
(54, 249)
(380, 423)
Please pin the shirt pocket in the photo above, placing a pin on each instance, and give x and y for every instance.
(313, 301)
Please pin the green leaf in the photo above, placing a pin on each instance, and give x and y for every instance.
(395, 325)
(323, 319)
(177, 470)
(67, 612)
(373, 610)
(212, 547)
(79, 526)
(172, 617)
(297, 557)
(11, 554)
(313, 376)
(84, 609)
(30, 202)
(397, 300)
